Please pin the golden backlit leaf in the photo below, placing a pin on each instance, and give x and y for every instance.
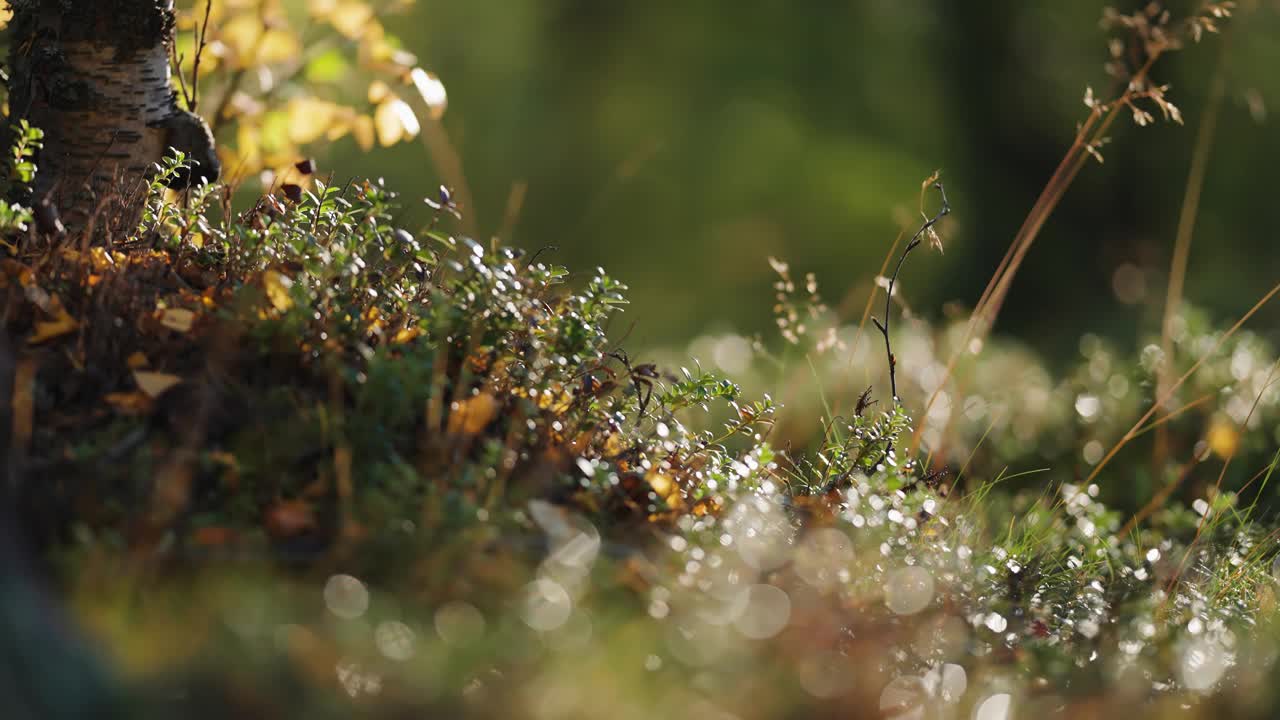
(349, 17)
(472, 415)
(665, 488)
(378, 92)
(277, 287)
(100, 258)
(705, 506)
(178, 319)
(395, 121)
(310, 118)
(154, 384)
(240, 34)
(378, 52)
(247, 154)
(363, 131)
(613, 445)
(431, 90)
(274, 137)
(321, 8)
(1223, 437)
(405, 335)
(555, 399)
(137, 361)
(277, 46)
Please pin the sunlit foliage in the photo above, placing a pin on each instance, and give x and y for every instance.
(276, 79)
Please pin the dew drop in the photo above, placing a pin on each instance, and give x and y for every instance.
(908, 590)
(821, 557)
(995, 707)
(346, 596)
(546, 605)
(395, 640)
(1201, 664)
(903, 698)
(459, 623)
(825, 675)
(767, 611)
(996, 622)
(954, 682)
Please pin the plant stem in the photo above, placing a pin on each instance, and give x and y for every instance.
(893, 279)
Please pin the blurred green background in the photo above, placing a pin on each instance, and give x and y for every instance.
(679, 144)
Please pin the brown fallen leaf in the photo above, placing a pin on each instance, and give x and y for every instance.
(154, 384)
(213, 536)
(24, 404)
(128, 403)
(288, 518)
(178, 319)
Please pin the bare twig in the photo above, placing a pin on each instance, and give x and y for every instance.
(926, 230)
(201, 38)
(915, 242)
(191, 94)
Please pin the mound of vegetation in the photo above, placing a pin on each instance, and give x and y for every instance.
(297, 458)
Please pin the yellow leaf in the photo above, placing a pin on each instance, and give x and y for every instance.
(309, 118)
(321, 8)
(137, 360)
(248, 149)
(350, 17)
(664, 487)
(60, 325)
(613, 445)
(473, 414)
(277, 46)
(1223, 438)
(362, 129)
(178, 319)
(406, 335)
(277, 287)
(101, 258)
(395, 121)
(154, 384)
(555, 399)
(431, 90)
(378, 92)
(240, 34)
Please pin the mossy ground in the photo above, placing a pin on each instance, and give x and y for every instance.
(298, 460)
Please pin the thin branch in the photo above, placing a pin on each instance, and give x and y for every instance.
(884, 327)
(201, 39)
(192, 94)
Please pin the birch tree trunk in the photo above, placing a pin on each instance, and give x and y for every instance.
(94, 75)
